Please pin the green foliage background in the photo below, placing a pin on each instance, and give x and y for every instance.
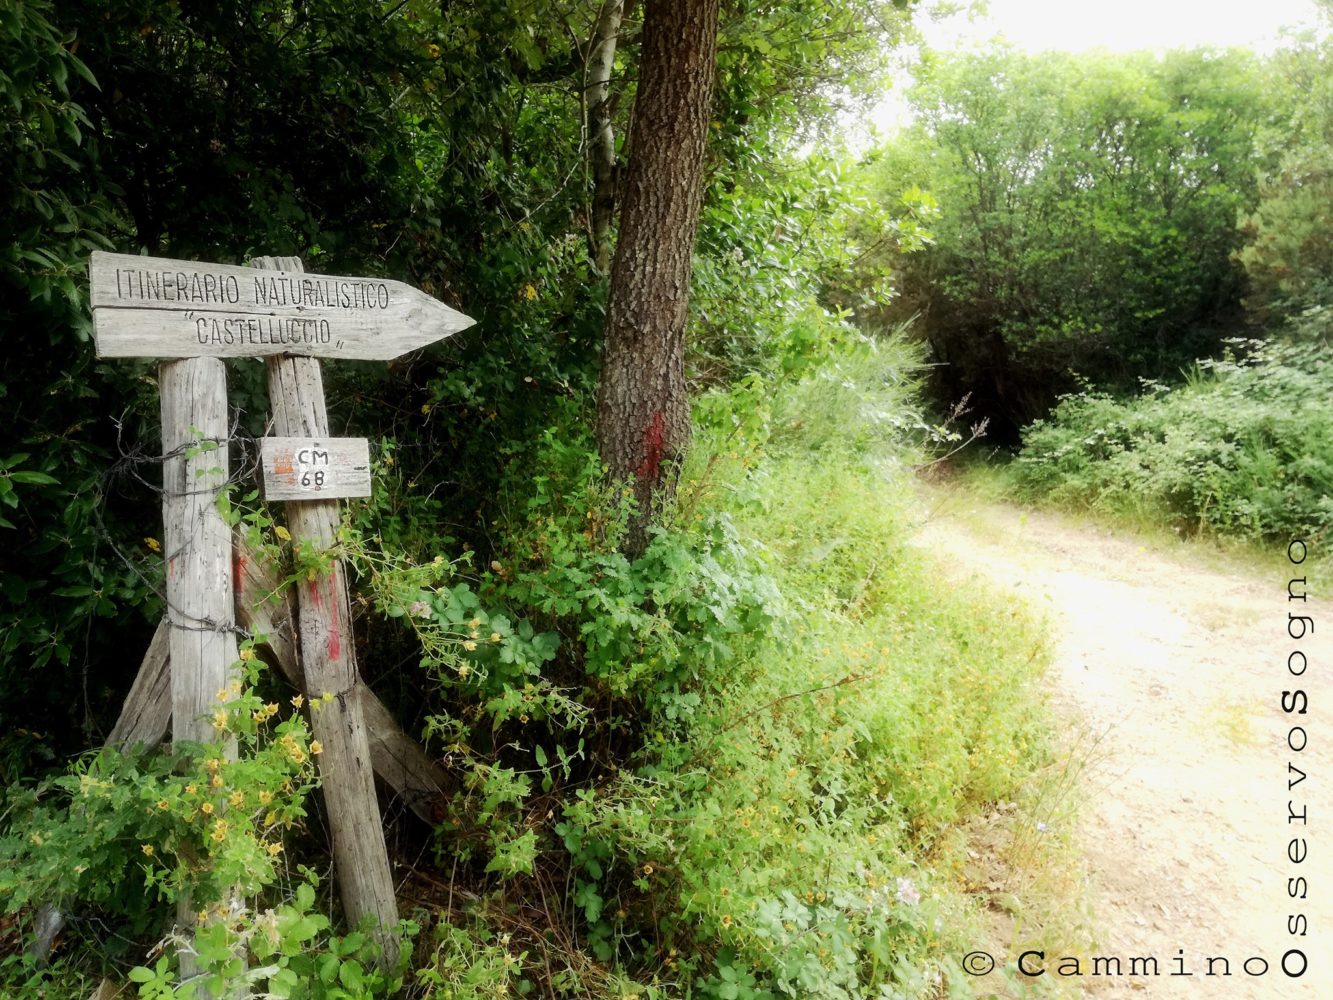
(1087, 224)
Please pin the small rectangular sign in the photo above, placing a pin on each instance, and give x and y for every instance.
(314, 468)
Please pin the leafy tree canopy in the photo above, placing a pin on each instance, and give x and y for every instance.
(1088, 217)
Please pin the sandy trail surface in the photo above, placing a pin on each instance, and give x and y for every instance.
(1180, 667)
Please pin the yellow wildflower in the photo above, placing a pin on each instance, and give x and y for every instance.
(315, 747)
(274, 849)
(153, 544)
(298, 701)
(148, 850)
(495, 637)
(265, 797)
(237, 799)
(246, 654)
(163, 804)
(217, 781)
(206, 808)
(282, 533)
(190, 789)
(469, 645)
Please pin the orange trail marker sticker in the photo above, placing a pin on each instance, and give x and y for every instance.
(314, 468)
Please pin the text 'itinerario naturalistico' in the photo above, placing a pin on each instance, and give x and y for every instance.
(226, 292)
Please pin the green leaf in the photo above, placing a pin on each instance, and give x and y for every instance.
(34, 478)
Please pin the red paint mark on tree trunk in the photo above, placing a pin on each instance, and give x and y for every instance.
(654, 446)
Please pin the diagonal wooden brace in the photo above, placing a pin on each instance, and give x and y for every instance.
(399, 761)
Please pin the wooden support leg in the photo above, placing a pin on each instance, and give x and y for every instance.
(197, 548)
(328, 659)
(146, 714)
(398, 760)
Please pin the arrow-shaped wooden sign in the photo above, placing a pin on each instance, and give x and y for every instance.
(151, 307)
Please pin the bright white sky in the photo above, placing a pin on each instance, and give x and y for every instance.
(1118, 25)
(1125, 25)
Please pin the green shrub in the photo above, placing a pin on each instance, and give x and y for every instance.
(1244, 449)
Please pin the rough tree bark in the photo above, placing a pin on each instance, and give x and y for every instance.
(643, 419)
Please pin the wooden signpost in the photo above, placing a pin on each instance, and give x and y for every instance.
(151, 307)
(195, 314)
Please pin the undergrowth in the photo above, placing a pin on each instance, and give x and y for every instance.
(743, 765)
(1243, 449)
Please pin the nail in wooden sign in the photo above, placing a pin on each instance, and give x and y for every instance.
(314, 468)
(152, 307)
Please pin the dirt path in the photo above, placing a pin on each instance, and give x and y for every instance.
(1184, 816)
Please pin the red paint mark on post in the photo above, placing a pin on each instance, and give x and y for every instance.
(284, 467)
(654, 447)
(335, 629)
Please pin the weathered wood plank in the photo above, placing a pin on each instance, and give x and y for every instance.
(153, 307)
(264, 607)
(197, 543)
(197, 549)
(146, 715)
(314, 468)
(328, 660)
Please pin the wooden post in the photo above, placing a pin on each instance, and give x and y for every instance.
(399, 760)
(197, 549)
(146, 713)
(328, 657)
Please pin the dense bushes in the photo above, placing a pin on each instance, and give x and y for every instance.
(1245, 448)
(734, 767)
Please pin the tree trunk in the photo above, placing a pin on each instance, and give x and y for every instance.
(601, 136)
(643, 417)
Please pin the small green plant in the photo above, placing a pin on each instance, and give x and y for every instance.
(133, 834)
